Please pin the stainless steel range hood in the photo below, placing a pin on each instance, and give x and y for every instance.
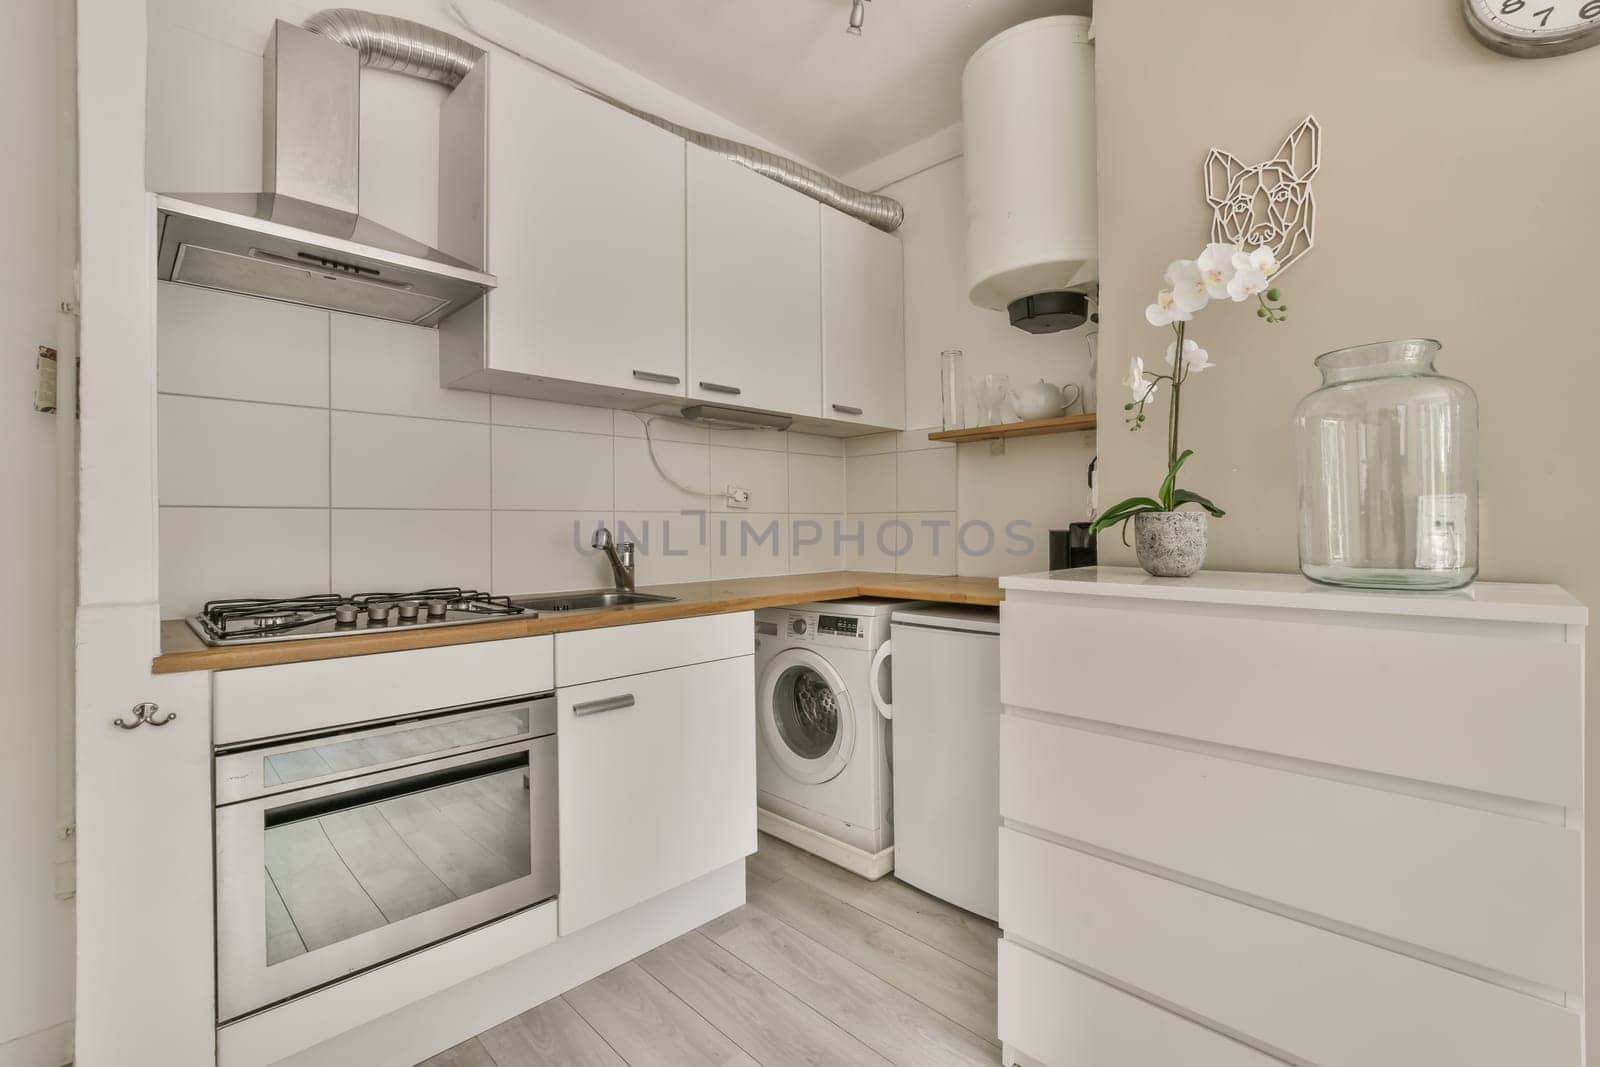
(304, 239)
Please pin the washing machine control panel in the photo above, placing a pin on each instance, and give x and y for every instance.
(838, 626)
(810, 627)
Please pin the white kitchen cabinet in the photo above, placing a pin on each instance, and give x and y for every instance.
(1370, 801)
(863, 323)
(755, 330)
(579, 213)
(657, 782)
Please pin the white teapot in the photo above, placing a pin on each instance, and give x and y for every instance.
(1041, 400)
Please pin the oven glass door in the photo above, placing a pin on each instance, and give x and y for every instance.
(317, 884)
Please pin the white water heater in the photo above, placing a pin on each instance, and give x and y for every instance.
(1028, 107)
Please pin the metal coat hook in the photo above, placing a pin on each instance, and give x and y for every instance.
(145, 713)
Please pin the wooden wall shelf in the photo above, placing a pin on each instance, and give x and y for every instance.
(1031, 428)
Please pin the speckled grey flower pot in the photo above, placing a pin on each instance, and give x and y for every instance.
(1171, 544)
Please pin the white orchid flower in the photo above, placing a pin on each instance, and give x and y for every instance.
(1263, 259)
(1247, 282)
(1142, 388)
(1195, 358)
(1188, 286)
(1165, 311)
(1216, 268)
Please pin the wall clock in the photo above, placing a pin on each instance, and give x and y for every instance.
(1530, 29)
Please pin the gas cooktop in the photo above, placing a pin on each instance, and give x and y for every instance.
(251, 620)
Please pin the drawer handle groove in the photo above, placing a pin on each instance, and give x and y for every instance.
(713, 387)
(595, 707)
(652, 376)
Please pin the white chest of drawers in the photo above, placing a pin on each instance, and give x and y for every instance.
(1248, 819)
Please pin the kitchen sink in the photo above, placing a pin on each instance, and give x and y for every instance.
(588, 600)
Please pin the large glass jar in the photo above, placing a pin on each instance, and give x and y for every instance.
(1388, 470)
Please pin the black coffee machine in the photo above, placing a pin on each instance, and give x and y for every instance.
(1075, 546)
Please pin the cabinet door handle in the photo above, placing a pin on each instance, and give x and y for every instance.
(846, 409)
(652, 376)
(713, 387)
(595, 707)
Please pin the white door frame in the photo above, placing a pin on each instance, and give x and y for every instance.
(145, 982)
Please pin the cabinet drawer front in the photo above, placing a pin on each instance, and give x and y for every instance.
(590, 655)
(1493, 890)
(657, 783)
(296, 697)
(1269, 977)
(1066, 1019)
(1493, 709)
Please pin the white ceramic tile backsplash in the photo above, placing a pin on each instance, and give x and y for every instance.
(544, 415)
(639, 487)
(396, 551)
(228, 453)
(363, 472)
(926, 480)
(213, 553)
(816, 483)
(391, 461)
(872, 541)
(672, 547)
(549, 550)
(748, 544)
(392, 369)
(813, 445)
(815, 542)
(551, 470)
(765, 474)
(240, 348)
(870, 483)
(929, 543)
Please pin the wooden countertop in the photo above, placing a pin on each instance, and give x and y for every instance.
(182, 651)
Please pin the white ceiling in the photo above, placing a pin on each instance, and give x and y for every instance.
(787, 70)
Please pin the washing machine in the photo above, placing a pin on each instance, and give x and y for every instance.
(822, 755)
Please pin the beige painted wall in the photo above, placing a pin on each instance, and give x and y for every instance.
(1459, 198)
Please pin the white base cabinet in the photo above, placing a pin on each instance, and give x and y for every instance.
(1317, 840)
(656, 768)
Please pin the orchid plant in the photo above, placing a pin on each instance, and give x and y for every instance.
(1221, 272)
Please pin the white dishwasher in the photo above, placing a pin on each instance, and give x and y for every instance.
(946, 679)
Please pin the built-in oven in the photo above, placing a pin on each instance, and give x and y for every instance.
(340, 851)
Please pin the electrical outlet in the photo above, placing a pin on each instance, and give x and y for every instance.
(738, 497)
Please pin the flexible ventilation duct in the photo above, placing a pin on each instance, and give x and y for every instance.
(385, 42)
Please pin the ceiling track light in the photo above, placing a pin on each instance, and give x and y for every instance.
(858, 15)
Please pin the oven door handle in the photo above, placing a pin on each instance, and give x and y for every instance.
(595, 707)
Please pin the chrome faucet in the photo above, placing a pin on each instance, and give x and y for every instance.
(620, 556)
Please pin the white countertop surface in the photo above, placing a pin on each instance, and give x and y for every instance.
(1488, 601)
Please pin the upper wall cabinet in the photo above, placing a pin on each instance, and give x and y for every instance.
(755, 331)
(579, 212)
(640, 272)
(863, 323)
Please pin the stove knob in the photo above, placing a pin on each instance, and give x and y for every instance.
(797, 626)
(378, 614)
(408, 611)
(345, 614)
(437, 608)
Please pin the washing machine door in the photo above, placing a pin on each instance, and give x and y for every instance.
(807, 720)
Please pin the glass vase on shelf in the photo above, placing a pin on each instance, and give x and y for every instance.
(952, 388)
(1387, 458)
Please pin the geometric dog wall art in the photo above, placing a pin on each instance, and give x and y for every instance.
(1267, 203)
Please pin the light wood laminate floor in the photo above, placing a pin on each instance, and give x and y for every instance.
(820, 967)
